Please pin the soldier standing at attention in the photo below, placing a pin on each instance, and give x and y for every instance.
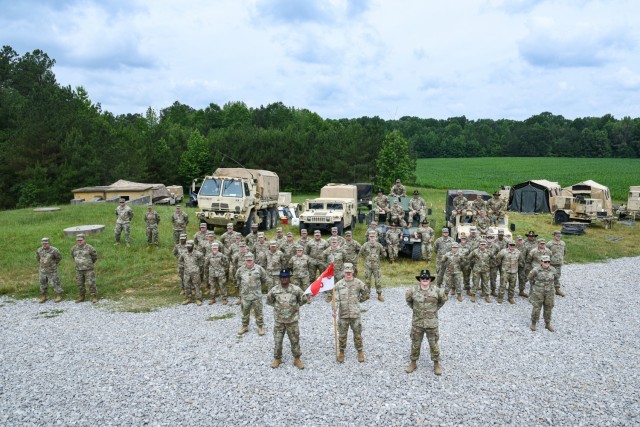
(193, 262)
(304, 238)
(315, 251)
(252, 237)
(280, 239)
(522, 276)
(372, 251)
(334, 254)
(465, 250)
(237, 262)
(509, 260)
(288, 248)
(228, 238)
(442, 246)
(178, 250)
(542, 292)
(275, 263)
(494, 264)
(124, 215)
(250, 278)
(425, 300)
(480, 258)
(558, 250)
(152, 219)
(200, 238)
(85, 257)
(425, 233)
(529, 244)
(451, 271)
(180, 220)
(350, 292)
(398, 189)
(417, 205)
(286, 300)
(334, 234)
(215, 273)
(380, 205)
(483, 223)
(299, 264)
(351, 250)
(49, 257)
(535, 256)
(260, 249)
(393, 237)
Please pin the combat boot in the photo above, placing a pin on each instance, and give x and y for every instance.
(206, 292)
(58, 298)
(500, 300)
(94, 298)
(483, 294)
(523, 294)
(468, 292)
(43, 299)
(239, 301)
(181, 291)
(340, 357)
(494, 294)
(260, 330)
(512, 301)
(473, 298)
(213, 301)
(533, 326)
(224, 301)
(275, 363)
(361, 356)
(549, 327)
(459, 297)
(198, 302)
(298, 363)
(560, 292)
(437, 369)
(80, 298)
(452, 292)
(243, 330)
(412, 367)
(487, 298)
(187, 301)
(380, 297)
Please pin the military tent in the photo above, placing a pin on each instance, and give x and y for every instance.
(135, 192)
(535, 196)
(591, 190)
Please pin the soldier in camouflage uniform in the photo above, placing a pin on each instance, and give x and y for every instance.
(393, 236)
(334, 234)
(124, 215)
(208, 243)
(237, 261)
(465, 249)
(349, 292)
(425, 300)
(459, 206)
(315, 251)
(425, 233)
(558, 250)
(473, 240)
(534, 257)
(200, 239)
(334, 254)
(542, 292)
(397, 215)
(372, 252)
(288, 248)
(228, 238)
(275, 263)
(373, 228)
(180, 220)
(250, 278)
(442, 246)
(152, 219)
(252, 237)
(522, 276)
(509, 260)
(234, 247)
(480, 258)
(451, 271)
(494, 265)
(215, 273)
(178, 250)
(351, 250)
(380, 205)
(304, 238)
(280, 239)
(85, 256)
(478, 205)
(398, 189)
(483, 223)
(417, 205)
(48, 258)
(496, 208)
(529, 244)
(193, 262)
(260, 250)
(286, 300)
(299, 265)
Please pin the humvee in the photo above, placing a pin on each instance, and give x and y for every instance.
(337, 206)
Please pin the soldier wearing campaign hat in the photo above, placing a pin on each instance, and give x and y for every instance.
(425, 299)
(286, 299)
(49, 257)
(543, 292)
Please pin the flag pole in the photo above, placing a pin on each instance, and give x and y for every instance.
(335, 321)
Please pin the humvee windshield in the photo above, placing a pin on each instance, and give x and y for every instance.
(210, 187)
(232, 188)
(316, 205)
(334, 206)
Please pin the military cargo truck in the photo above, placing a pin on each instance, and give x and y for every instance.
(337, 206)
(241, 197)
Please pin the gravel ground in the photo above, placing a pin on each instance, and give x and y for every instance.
(82, 364)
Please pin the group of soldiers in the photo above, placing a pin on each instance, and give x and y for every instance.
(484, 213)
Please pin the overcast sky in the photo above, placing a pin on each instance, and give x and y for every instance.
(343, 58)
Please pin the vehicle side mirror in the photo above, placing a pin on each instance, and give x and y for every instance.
(512, 227)
(429, 211)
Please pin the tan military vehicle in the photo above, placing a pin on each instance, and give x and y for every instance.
(584, 202)
(632, 208)
(337, 206)
(239, 196)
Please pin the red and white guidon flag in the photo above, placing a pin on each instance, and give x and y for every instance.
(323, 283)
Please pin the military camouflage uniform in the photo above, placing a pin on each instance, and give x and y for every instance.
(237, 262)
(227, 239)
(193, 263)
(496, 208)
(315, 251)
(215, 273)
(542, 292)
(529, 245)
(397, 214)
(480, 258)
(300, 270)
(251, 240)
(451, 272)
(459, 206)
(302, 241)
(417, 205)
(442, 246)
(180, 220)
(286, 304)
(85, 257)
(250, 281)
(288, 249)
(335, 256)
(483, 223)
(124, 215)
(465, 265)
(351, 249)
(380, 205)
(49, 260)
(522, 274)
(152, 219)
(393, 237)
(275, 263)
(558, 251)
(200, 241)
(478, 205)
(398, 190)
(372, 252)
(494, 265)
(349, 295)
(425, 306)
(533, 258)
(509, 261)
(178, 250)
(426, 235)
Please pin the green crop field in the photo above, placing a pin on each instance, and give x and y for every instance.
(490, 172)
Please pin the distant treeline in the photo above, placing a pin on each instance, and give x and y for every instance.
(54, 139)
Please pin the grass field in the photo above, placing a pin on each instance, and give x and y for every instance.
(489, 173)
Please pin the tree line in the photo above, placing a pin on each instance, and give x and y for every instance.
(53, 139)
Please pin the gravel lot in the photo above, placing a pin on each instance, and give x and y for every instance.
(82, 364)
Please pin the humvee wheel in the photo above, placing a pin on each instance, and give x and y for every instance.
(560, 217)
(416, 252)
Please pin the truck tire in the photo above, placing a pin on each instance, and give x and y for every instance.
(353, 223)
(560, 216)
(340, 226)
(266, 220)
(416, 252)
(274, 216)
(246, 229)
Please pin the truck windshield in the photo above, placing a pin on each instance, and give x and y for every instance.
(232, 188)
(316, 205)
(210, 187)
(334, 206)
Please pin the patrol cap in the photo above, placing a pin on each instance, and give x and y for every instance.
(210, 233)
(557, 232)
(397, 180)
(230, 225)
(45, 240)
(501, 231)
(285, 273)
(483, 242)
(303, 231)
(254, 225)
(178, 206)
(299, 248)
(122, 200)
(455, 245)
(511, 243)
(273, 243)
(242, 245)
(542, 241)
(348, 233)
(333, 239)
(279, 230)
(445, 230)
(149, 205)
(289, 234)
(472, 230)
(380, 190)
(415, 193)
(189, 242)
(372, 233)
(260, 234)
(249, 255)
(317, 232)
(215, 245)
(80, 236)
(334, 229)
(545, 258)
(490, 236)
(519, 237)
(348, 267)
(183, 236)
(203, 224)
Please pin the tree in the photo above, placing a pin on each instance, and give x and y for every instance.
(195, 161)
(395, 160)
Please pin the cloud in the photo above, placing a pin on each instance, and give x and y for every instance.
(309, 11)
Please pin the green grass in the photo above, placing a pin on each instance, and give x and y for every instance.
(222, 316)
(489, 173)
